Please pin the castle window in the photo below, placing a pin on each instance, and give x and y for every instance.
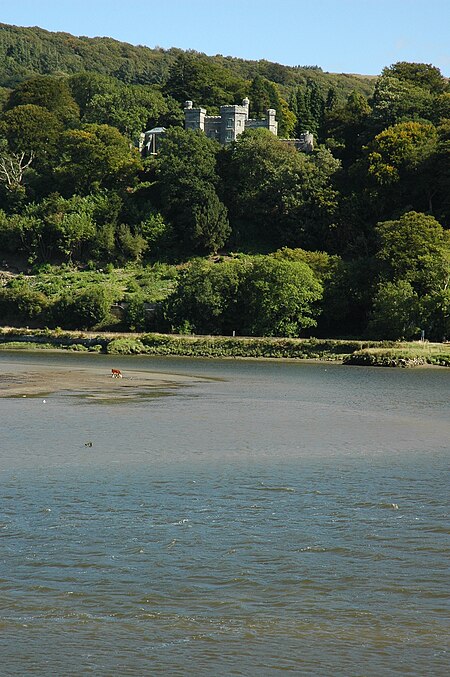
(230, 122)
(229, 136)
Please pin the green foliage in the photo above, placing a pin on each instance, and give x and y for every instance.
(187, 180)
(130, 108)
(29, 51)
(156, 233)
(125, 346)
(85, 309)
(275, 194)
(415, 248)
(377, 193)
(206, 297)
(31, 129)
(22, 305)
(52, 93)
(435, 314)
(93, 157)
(265, 94)
(135, 315)
(132, 245)
(195, 77)
(259, 296)
(395, 312)
(278, 298)
(309, 104)
(403, 146)
(402, 355)
(321, 263)
(420, 74)
(395, 100)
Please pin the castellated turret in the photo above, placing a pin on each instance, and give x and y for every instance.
(194, 118)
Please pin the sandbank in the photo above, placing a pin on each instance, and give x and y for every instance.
(20, 380)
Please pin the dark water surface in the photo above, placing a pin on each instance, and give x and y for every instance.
(266, 518)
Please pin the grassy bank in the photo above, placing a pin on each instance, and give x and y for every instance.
(402, 355)
(368, 353)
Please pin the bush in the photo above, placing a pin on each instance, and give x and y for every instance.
(125, 346)
(255, 296)
(22, 305)
(84, 309)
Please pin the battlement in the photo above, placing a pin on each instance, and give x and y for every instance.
(232, 121)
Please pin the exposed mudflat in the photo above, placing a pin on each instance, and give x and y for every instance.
(93, 382)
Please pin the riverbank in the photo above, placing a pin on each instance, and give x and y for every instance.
(351, 352)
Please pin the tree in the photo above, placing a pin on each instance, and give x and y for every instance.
(423, 75)
(31, 129)
(210, 217)
(22, 305)
(276, 195)
(205, 297)
(84, 309)
(96, 156)
(400, 149)
(12, 168)
(400, 162)
(131, 244)
(193, 77)
(414, 248)
(85, 85)
(255, 296)
(52, 93)
(70, 222)
(435, 314)
(131, 109)
(345, 127)
(439, 174)
(187, 180)
(395, 313)
(278, 298)
(395, 100)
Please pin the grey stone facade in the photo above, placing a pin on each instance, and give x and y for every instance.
(232, 121)
(224, 128)
(305, 142)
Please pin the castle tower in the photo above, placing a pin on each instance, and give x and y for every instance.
(272, 124)
(246, 105)
(194, 118)
(233, 119)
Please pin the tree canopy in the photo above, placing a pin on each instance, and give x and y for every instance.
(360, 222)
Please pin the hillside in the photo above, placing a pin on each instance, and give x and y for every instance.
(31, 51)
(350, 239)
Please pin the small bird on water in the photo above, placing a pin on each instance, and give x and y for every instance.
(88, 444)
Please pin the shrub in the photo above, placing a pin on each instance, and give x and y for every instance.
(22, 305)
(84, 309)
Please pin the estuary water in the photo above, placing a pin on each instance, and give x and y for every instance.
(259, 518)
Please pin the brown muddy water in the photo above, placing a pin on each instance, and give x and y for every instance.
(230, 518)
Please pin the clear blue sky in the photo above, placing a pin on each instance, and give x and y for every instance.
(350, 36)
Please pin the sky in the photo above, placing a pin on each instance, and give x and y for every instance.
(340, 36)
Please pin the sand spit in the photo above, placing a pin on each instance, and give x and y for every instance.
(93, 382)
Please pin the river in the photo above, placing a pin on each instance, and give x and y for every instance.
(258, 518)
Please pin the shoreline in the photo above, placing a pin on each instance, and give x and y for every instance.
(350, 352)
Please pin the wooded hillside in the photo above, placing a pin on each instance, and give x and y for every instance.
(349, 240)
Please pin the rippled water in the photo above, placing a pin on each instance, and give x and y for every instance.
(270, 517)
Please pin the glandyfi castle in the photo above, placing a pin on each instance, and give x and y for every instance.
(225, 127)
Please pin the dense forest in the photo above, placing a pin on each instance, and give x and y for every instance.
(253, 237)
